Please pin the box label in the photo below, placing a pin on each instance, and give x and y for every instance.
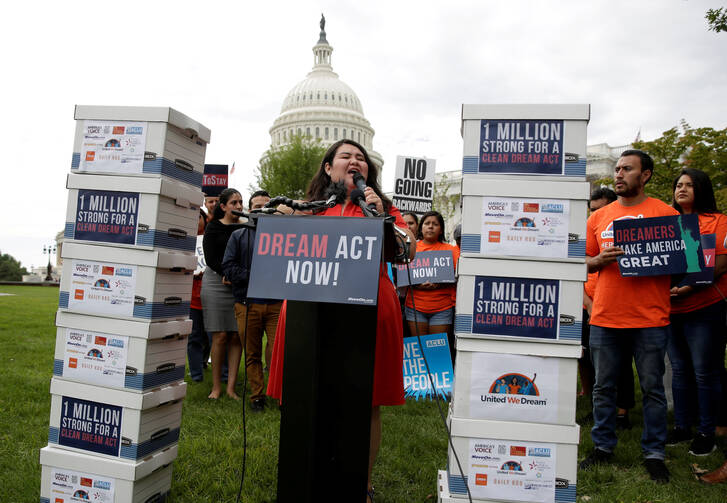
(522, 146)
(511, 471)
(525, 227)
(106, 216)
(67, 486)
(517, 307)
(102, 288)
(92, 426)
(113, 147)
(95, 358)
(508, 387)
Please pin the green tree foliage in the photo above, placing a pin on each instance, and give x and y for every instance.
(686, 147)
(10, 269)
(287, 170)
(717, 19)
(446, 200)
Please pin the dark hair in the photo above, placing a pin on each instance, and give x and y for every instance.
(203, 216)
(321, 180)
(647, 163)
(413, 215)
(438, 216)
(603, 193)
(256, 194)
(225, 196)
(704, 201)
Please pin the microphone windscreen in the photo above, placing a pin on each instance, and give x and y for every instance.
(337, 189)
(356, 195)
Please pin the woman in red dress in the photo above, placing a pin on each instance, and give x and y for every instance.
(342, 160)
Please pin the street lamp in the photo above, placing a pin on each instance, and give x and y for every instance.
(50, 249)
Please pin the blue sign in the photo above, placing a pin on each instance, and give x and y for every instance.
(318, 259)
(428, 266)
(91, 426)
(106, 216)
(706, 275)
(659, 245)
(417, 382)
(522, 146)
(516, 307)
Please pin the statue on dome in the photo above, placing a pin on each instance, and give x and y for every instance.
(323, 22)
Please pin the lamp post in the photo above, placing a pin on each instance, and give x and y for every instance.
(50, 249)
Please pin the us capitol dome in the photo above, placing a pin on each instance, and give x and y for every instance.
(323, 106)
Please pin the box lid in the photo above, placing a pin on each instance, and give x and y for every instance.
(511, 430)
(148, 114)
(527, 112)
(479, 345)
(184, 195)
(85, 463)
(138, 329)
(128, 399)
(474, 185)
(569, 271)
(150, 258)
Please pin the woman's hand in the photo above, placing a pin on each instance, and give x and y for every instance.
(681, 291)
(373, 198)
(225, 281)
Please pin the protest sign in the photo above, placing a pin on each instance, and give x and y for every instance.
(658, 245)
(417, 383)
(506, 470)
(521, 146)
(525, 227)
(214, 179)
(107, 216)
(429, 266)
(317, 259)
(504, 387)
(706, 275)
(516, 307)
(414, 184)
(92, 426)
(199, 253)
(113, 147)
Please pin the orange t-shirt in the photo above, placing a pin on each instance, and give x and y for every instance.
(440, 299)
(626, 302)
(709, 223)
(589, 286)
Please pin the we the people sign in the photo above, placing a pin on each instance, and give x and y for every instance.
(414, 185)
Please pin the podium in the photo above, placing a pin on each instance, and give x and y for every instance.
(328, 270)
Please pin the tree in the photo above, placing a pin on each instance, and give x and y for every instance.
(717, 19)
(446, 198)
(287, 170)
(685, 147)
(10, 269)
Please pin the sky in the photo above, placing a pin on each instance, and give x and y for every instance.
(642, 65)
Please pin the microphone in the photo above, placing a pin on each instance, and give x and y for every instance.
(336, 194)
(358, 179)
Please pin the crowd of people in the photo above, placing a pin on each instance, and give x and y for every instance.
(236, 322)
(626, 319)
(644, 318)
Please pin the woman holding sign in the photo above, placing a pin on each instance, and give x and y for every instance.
(430, 306)
(341, 162)
(696, 346)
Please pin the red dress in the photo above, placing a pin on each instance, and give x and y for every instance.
(389, 358)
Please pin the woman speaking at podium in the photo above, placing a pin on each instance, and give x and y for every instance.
(341, 162)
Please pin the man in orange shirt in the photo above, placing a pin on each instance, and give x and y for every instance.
(633, 309)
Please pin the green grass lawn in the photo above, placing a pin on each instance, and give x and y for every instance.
(209, 465)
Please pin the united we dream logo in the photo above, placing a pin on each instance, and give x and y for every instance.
(514, 383)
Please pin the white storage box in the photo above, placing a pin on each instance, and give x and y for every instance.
(71, 476)
(145, 213)
(146, 141)
(520, 218)
(525, 140)
(520, 299)
(516, 381)
(512, 461)
(129, 355)
(112, 423)
(126, 283)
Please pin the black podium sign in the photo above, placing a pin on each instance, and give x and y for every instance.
(328, 270)
(317, 259)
